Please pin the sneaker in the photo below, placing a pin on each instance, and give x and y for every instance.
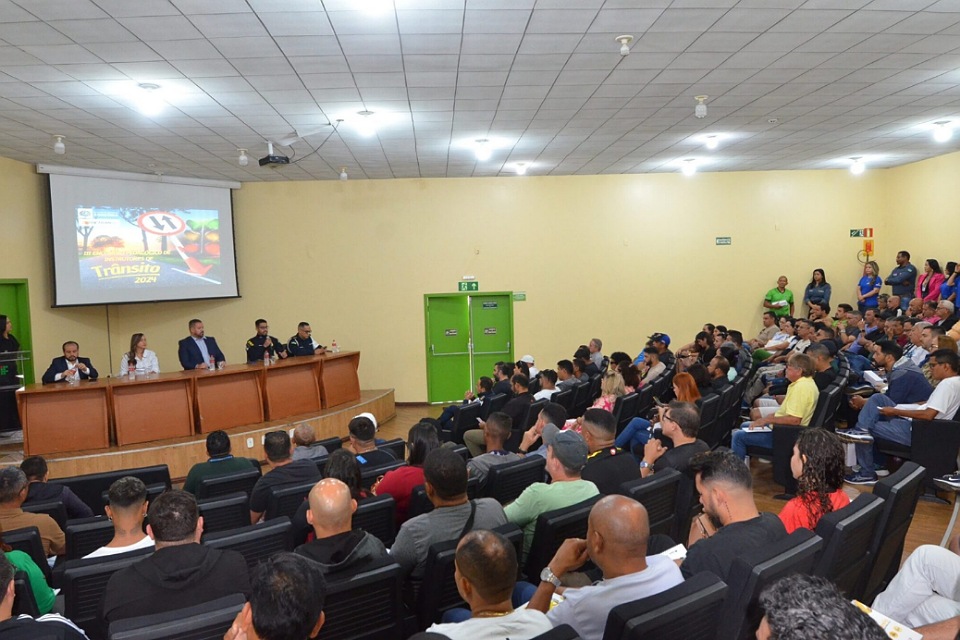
(857, 436)
(883, 473)
(951, 479)
(861, 478)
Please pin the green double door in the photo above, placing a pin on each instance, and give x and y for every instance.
(467, 334)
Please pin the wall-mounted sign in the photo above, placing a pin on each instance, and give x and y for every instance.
(450, 333)
(519, 296)
(468, 286)
(862, 233)
(490, 305)
(724, 240)
(490, 331)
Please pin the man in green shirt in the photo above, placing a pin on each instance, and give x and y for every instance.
(566, 457)
(780, 299)
(221, 462)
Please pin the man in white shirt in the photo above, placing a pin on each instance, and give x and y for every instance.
(127, 508)
(530, 366)
(617, 535)
(548, 385)
(486, 572)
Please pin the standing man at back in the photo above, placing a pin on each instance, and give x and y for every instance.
(903, 279)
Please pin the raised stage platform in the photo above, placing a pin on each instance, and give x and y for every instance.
(182, 453)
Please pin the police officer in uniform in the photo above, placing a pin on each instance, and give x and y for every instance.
(264, 342)
(303, 344)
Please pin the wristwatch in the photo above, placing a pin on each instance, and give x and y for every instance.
(547, 576)
(644, 464)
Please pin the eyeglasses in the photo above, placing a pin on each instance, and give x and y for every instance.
(666, 416)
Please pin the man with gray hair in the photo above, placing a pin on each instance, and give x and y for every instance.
(947, 312)
(915, 349)
(617, 534)
(305, 443)
(596, 356)
(13, 491)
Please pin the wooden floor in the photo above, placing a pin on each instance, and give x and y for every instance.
(927, 528)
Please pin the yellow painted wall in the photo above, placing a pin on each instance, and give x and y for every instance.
(616, 257)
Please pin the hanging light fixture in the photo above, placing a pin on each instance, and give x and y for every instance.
(689, 166)
(701, 109)
(521, 168)
(242, 159)
(624, 41)
(343, 174)
(58, 147)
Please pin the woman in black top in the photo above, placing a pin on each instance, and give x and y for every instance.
(7, 341)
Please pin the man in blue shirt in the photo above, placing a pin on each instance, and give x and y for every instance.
(196, 349)
(903, 279)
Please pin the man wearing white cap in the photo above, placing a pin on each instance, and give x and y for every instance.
(533, 370)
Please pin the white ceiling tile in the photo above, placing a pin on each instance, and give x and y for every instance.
(309, 45)
(560, 20)
(246, 47)
(361, 23)
(161, 28)
(186, 50)
(197, 7)
(810, 21)
(430, 21)
(31, 33)
(297, 23)
(230, 25)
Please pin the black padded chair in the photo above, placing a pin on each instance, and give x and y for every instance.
(560, 632)
(419, 502)
(690, 610)
(752, 572)
(256, 541)
(214, 486)
(368, 476)
(527, 419)
(23, 600)
(29, 541)
(581, 399)
(900, 492)
(552, 528)
(91, 486)
(207, 621)
(934, 446)
(83, 585)
(625, 409)
(464, 418)
(658, 493)
(52, 508)
(367, 606)
(396, 446)
(507, 481)
(496, 403)
(847, 534)
(377, 517)
(330, 444)
(89, 534)
(828, 403)
(645, 401)
(224, 513)
(565, 398)
(439, 593)
(286, 499)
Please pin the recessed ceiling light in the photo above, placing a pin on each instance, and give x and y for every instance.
(942, 131)
(483, 150)
(711, 141)
(149, 99)
(689, 166)
(857, 165)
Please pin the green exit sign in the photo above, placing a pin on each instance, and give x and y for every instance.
(471, 285)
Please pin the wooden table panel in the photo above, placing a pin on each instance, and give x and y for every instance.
(339, 382)
(290, 387)
(229, 398)
(152, 408)
(65, 417)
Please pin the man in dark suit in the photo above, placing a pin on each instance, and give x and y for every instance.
(70, 366)
(196, 350)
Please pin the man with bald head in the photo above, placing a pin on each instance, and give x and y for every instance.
(338, 549)
(617, 535)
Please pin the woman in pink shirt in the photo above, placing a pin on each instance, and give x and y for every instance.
(817, 464)
(928, 284)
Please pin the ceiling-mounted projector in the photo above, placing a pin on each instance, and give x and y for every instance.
(272, 159)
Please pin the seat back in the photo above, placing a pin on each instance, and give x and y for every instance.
(84, 582)
(224, 513)
(658, 493)
(331, 444)
(87, 535)
(419, 502)
(207, 621)
(89, 487)
(507, 481)
(214, 486)
(900, 492)
(527, 419)
(464, 419)
(752, 572)
(52, 508)
(256, 541)
(847, 534)
(439, 593)
(625, 409)
(560, 632)
(533, 413)
(553, 527)
(377, 594)
(496, 403)
(565, 398)
(935, 444)
(581, 399)
(396, 446)
(24, 601)
(29, 541)
(369, 475)
(827, 401)
(377, 517)
(690, 610)
(285, 500)
(710, 431)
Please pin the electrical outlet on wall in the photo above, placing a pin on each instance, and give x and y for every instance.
(249, 443)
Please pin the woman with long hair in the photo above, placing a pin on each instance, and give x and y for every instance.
(631, 376)
(928, 283)
(399, 483)
(638, 430)
(142, 359)
(818, 290)
(869, 287)
(7, 341)
(948, 290)
(342, 465)
(817, 465)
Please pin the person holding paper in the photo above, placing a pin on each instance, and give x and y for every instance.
(780, 299)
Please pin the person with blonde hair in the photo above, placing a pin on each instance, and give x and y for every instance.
(869, 287)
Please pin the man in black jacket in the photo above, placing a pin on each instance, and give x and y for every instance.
(49, 627)
(70, 367)
(181, 572)
(39, 490)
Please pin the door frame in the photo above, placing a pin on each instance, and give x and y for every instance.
(24, 331)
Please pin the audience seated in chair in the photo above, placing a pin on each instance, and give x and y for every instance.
(565, 378)
(40, 490)
(517, 408)
(486, 572)
(286, 471)
(817, 465)
(651, 368)
(181, 572)
(496, 431)
(566, 457)
(339, 550)
(445, 481)
(399, 483)
(304, 443)
(483, 393)
(551, 414)
(617, 534)
(51, 626)
(548, 385)
(637, 432)
(726, 493)
(801, 607)
(502, 374)
(286, 602)
(127, 508)
(221, 462)
(680, 423)
(13, 492)
(363, 434)
(607, 466)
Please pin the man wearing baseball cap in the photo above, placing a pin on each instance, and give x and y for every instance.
(661, 342)
(566, 457)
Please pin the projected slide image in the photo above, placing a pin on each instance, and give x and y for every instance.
(141, 248)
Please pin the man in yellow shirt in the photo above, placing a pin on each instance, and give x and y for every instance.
(797, 408)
